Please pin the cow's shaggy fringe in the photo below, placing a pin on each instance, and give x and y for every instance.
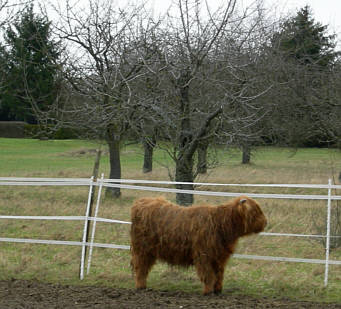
(203, 236)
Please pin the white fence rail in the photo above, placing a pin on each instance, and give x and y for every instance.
(127, 184)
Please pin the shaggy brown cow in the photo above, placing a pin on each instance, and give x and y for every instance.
(203, 236)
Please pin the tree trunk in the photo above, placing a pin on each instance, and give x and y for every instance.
(113, 141)
(184, 161)
(202, 158)
(184, 173)
(148, 145)
(246, 149)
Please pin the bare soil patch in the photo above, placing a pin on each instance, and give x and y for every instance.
(36, 295)
(80, 152)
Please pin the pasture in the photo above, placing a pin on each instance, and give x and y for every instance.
(111, 268)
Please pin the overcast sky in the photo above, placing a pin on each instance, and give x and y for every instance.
(327, 12)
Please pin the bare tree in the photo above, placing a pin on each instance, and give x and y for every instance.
(103, 63)
(9, 9)
(201, 61)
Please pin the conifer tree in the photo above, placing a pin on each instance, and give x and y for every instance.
(306, 41)
(31, 67)
(306, 66)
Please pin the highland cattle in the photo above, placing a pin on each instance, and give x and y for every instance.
(203, 236)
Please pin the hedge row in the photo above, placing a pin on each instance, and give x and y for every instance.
(19, 129)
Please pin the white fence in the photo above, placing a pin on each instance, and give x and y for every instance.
(127, 184)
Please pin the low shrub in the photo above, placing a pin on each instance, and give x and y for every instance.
(12, 129)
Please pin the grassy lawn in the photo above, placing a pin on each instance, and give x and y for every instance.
(60, 264)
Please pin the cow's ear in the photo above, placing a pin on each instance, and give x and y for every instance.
(244, 205)
(241, 205)
(242, 201)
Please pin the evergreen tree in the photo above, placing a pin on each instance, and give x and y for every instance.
(306, 64)
(306, 41)
(31, 69)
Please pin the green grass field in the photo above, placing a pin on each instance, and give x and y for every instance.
(60, 264)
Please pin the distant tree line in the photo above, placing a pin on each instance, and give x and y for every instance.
(185, 82)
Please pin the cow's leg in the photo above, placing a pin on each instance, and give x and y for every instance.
(219, 268)
(219, 272)
(142, 265)
(206, 274)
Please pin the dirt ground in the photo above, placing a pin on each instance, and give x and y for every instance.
(19, 294)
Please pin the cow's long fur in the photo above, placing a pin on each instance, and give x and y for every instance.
(203, 236)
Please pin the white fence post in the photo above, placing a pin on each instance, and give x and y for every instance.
(81, 273)
(94, 223)
(328, 233)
